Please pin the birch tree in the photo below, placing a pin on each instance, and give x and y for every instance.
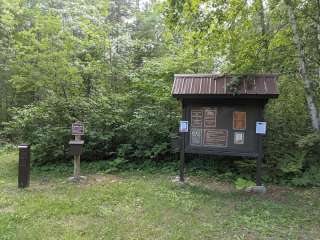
(303, 68)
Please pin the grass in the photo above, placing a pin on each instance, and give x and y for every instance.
(138, 205)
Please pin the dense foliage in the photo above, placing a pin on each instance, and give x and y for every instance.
(110, 64)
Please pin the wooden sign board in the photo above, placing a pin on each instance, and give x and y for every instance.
(196, 118)
(216, 137)
(210, 116)
(221, 129)
(77, 128)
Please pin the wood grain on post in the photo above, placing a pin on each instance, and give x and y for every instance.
(76, 171)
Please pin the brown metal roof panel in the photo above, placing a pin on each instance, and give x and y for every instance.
(260, 86)
(272, 85)
(220, 86)
(226, 82)
(175, 87)
(184, 86)
(204, 88)
(183, 82)
(263, 84)
(190, 86)
(201, 90)
(196, 86)
(242, 87)
(213, 83)
(251, 86)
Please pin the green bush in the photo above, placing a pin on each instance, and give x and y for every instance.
(288, 122)
(311, 177)
(6, 147)
(147, 132)
(112, 128)
(46, 126)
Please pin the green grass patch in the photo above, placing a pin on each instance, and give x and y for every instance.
(137, 204)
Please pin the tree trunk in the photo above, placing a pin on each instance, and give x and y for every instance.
(318, 32)
(318, 36)
(313, 111)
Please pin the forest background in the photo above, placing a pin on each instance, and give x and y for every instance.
(110, 64)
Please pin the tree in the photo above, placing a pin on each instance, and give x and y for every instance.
(303, 69)
(6, 52)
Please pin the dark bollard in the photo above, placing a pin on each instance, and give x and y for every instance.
(24, 166)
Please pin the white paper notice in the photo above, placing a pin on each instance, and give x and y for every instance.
(261, 127)
(183, 126)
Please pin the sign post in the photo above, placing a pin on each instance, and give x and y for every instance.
(183, 129)
(76, 145)
(261, 129)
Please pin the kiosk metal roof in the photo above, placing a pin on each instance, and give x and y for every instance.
(193, 85)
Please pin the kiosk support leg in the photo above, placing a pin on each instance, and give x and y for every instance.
(182, 159)
(259, 162)
(76, 172)
(182, 152)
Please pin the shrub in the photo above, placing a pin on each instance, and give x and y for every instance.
(311, 177)
(46, 126)
(112, 126)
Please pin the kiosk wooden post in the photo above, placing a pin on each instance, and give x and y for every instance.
(76, 146)
(183, 129)
(76, 172)
(182, 163)
(261, 128)
(259, 162)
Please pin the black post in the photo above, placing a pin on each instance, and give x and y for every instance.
(182, 158)
(259, 161)
(182, 154)
(260, 147)
(24, 166)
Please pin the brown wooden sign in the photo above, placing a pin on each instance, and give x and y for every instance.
(196, 118)
(77, 128)
(239, 120)
(216, 137)
(210, 116)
